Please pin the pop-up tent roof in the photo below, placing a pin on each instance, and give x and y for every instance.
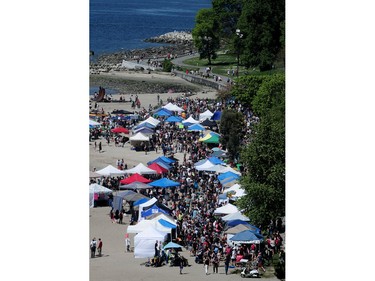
(235, 216)
(164, 182)
(110, 171)
(208, 123)
(155, 208)
(139, 137)
(133, 178)
(247, 237)
(195, 128)
(173, 107)
(216, 116)
(159, 169)
(93, 123)
(207, 114)
(135, 185)
(236, 229)
(96, 188)
(173, 119)
(190, 121)
(163, 112)
(140, 169)
(226, 209)
(151, 120)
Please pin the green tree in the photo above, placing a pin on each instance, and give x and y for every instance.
(167, 65)
(247, 87)
(264, 157)
(227, 13)
(261, 24)
(205, 35)
(231, 125)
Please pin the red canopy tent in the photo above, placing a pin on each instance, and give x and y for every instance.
(159, 169)
(133, 178)
(120, 130)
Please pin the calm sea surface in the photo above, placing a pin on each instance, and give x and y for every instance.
(117, 25)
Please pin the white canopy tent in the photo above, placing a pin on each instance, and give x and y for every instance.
(235, 216)
(140, 169)
(173, 107)
(236, 190)
(207, 114)
(93, 123)
(151, 120)
(96, 188)
(226, 209)
(138, 138)
(110, 171)
(144, 242)
(144, 225)
(190, 120)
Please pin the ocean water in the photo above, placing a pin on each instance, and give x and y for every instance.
(117, 25)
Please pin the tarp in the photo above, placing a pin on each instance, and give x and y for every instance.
(226, 209)
(130, 195)
(208, 123)
(247, 237)
(110, 171)
(164, 182)
(133, 178)
(96, 188)
(144, 242)
(140, 169)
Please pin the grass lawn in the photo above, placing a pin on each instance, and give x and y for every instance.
(225, 62)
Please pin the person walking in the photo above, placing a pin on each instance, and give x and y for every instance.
(181, 260)
(215, 263)
(100, 146)
(206, 263)
(100, 246)
(93, 247)
(227, 261)
(127, 242)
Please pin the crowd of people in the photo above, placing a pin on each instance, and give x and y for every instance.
(193, 203)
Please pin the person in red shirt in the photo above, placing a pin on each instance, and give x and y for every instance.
(100, 246)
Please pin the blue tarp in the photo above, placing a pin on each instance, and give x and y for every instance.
(164, 182)
(165, 223)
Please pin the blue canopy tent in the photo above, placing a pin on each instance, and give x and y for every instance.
(155, 208)
(163, 112)
(140, 201)
(228, 181)
(232, 223)
(195, 127)
(173, 119)
(227, 175)
(164, 182)
(216, 116)
(215, 160)
(167, 160)
(166, 223)
(172, 245)
(247, 237)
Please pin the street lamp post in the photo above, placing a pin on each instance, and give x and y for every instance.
(240, 35)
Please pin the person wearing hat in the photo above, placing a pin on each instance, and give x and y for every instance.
(93, 247)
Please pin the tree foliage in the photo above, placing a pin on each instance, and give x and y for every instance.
(231, 125)
(247, 87)
(261, 24)
(264, 157)
(227, 13)
(205, 34)
(167, 65)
